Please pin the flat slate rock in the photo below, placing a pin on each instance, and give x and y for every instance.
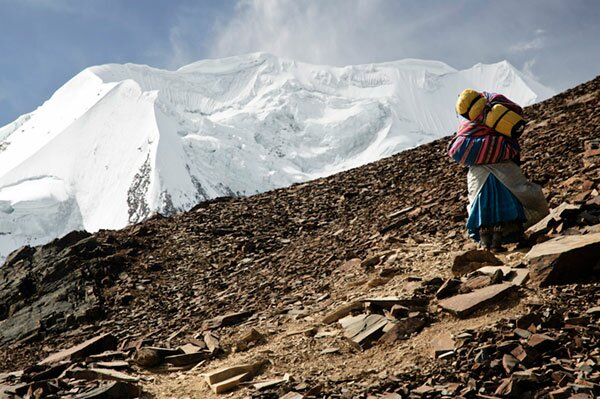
(564, 260)
(442, 344)
(362, 328)
(465, 304)
(90, 347)
(185, 359)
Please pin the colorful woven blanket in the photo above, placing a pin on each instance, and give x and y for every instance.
(477, 144)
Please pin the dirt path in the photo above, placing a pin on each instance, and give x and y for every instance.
(302, 355)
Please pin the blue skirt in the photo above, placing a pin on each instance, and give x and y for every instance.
(494, 204)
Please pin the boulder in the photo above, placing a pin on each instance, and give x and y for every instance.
(564, 260)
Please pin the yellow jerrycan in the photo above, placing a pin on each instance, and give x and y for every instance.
(505, 121)
(470, 104)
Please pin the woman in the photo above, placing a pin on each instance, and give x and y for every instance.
(502, 203)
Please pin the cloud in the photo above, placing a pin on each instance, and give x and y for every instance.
(537, 43)
(528, 69)
(180, 53)
(335, 32)
(534, 44)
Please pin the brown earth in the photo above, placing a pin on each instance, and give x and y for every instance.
(282, 256)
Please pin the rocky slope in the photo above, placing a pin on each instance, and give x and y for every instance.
(281, 261)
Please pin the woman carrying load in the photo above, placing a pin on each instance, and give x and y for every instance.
(502, 203)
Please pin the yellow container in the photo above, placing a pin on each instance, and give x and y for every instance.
(470, 104)
(505, 121)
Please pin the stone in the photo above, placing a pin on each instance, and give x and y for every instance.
(442, 344)
(400, 212)
(472, 260)
(497, 277)
(465, 304)
(524, 376)
(329, 351)
(190, 348)
(541, 342)
(564, 210)
(505, 388)
(341, 312)
(582, 396)
(474, 283)
(230, 383)
(113, 390)
(99, 374)
(148, 357)
(509, 362)
(592, 148)
(516, 276)
(225, 373)
(564, 259)
(45, 372)
(527, 357)
(114, 364)
(424, 390)
(448, 288)
(229, 319)
(212, 342)
(578, 321)
(18, 254)
(363, 329)
(259, 386)
(92, 346)
(106, 356)
(378, 281)
(522, 333)
(402, 329)
(252, 337)
(526, 321)
(561, 393)
(185, 359)
(309, 332)
(593, 311)
(506, 346)
(370, 262)
(397, 312)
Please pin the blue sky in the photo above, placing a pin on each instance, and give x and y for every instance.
(43, 43)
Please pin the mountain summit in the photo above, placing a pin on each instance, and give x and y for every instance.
(119, 142)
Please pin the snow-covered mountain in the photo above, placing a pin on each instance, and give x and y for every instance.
(119, 142)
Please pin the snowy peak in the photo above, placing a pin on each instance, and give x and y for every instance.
(119, 142)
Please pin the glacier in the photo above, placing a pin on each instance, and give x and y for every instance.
(118, 143)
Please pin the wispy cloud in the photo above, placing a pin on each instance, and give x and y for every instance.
(180, 53)
(534, 44)
(538, 42)
(528, 68)
(330, 32)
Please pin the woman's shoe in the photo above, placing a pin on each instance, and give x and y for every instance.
(485, 237)
(496, 245)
